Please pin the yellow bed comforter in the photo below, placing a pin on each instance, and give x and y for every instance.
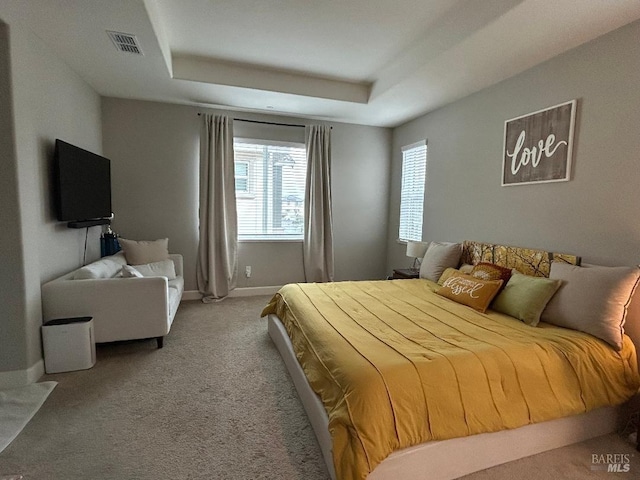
(396, 365)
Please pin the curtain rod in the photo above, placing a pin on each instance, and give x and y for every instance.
(268, 123)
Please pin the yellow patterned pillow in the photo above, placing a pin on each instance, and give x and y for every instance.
(471, 291)
(491, 271)
(465, 268)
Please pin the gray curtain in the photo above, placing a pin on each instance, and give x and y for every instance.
(217, 268)
(318, 225)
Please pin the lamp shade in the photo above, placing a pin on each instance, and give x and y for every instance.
(416, 249)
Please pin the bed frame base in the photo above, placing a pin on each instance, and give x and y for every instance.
(448, 459)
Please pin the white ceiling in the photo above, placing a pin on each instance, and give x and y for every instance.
(373, 62)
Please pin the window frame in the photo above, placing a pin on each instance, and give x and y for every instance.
(416, 211)
(254, 238)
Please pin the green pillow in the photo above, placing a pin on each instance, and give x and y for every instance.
(525, 297)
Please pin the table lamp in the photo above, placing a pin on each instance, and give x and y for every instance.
(417, 251)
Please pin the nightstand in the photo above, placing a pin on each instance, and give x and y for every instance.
(403, 273)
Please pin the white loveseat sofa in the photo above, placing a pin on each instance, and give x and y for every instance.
(122, 308)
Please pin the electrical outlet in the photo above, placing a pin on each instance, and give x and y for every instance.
(247, 271)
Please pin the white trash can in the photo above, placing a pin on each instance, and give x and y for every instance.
(68, 344)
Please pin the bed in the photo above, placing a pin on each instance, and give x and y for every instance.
(398, 380)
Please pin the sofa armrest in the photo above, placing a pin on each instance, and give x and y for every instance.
(178, 262)
(122, 308)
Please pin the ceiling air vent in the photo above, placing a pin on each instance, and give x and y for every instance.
(125, 42)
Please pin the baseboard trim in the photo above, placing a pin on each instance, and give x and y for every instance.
(254, 291)
(191, 295)
(21, 378)
(238, 292)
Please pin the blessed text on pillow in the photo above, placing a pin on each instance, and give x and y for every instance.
(471, 291)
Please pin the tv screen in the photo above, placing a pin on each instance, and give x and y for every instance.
(82, 184)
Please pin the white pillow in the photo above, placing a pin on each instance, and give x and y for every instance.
(105, 268)
(438, 258)
(165, 268)
(130, 272)
(592, 299)
(145, 251)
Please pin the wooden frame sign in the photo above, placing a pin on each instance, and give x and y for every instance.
(538, 146)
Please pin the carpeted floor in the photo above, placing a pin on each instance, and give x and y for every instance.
(214, 403)
(18, 406)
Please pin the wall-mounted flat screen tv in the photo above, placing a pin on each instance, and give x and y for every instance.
(82, 184)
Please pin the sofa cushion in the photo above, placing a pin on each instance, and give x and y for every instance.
(173, 302)
(177, 284)
(130, 272)
(104, 268)
(145, 251)
(165, 268)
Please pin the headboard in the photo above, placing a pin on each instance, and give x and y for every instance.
(535, 262)
(529, 261)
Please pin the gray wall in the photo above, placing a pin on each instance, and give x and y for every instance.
(154, 152)
(49, 101)
(593, 215)
(13, 355)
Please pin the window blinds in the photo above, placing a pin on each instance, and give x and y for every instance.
(414, 170)
(270, 182)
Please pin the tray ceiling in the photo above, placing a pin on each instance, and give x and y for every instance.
(358, 61)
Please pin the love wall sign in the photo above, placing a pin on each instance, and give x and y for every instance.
(538, 146)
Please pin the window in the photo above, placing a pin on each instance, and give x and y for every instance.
(270, 183)
(414, 171)
(242, 177)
